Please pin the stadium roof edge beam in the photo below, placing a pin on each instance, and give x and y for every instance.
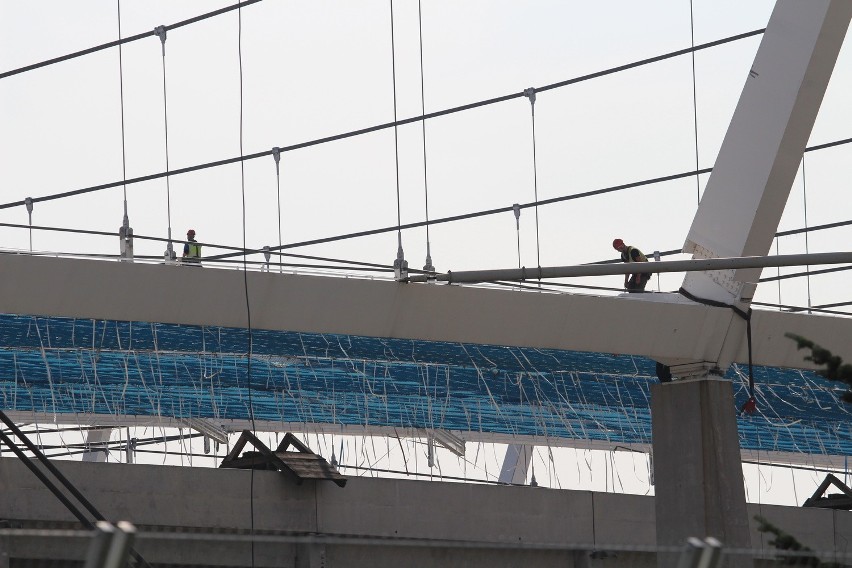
(657, 326)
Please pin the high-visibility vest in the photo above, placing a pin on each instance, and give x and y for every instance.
(629, 254)
(194, 250)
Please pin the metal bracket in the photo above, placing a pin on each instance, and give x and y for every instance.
(724, 278)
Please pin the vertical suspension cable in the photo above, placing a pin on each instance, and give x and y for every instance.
(121, 98)
(530, 94)
(400, 265)
(276, 154)
(428, 267)
(777, 252)
(170, 253)
(807, 251)
(125, 232)
(245, 273)
(694, 105)
(516, 208)
(29, 203)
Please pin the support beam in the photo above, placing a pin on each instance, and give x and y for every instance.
(763, 147)
(96, 444)
(674, 328)
(516, 464)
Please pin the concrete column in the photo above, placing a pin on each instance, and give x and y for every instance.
(697, 465)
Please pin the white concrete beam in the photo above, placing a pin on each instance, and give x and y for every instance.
(760, 155)
(672, 328)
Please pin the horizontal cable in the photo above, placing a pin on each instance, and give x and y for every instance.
(814, 228)
(165, 240)
(123, 40)
(806, 273)
(824, 306)
(384, 126)
(789, 308)
(479, 213)
(662, 253)
(384, 267)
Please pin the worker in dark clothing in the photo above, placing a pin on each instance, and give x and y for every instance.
(191, 249)
(632, 282)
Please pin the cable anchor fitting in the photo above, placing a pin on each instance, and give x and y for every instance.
(29, 203)
(276, 155)
(169, 255)
(125, 240)
(161, 33)
(400, 265)
(267, 254)
(530, 94)
(429, 268)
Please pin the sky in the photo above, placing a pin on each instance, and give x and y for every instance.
(311, 70)
(282, 73)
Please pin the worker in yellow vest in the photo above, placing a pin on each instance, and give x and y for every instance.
(632, 282)
(191, 249)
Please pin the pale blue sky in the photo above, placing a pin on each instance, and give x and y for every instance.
(316, 69)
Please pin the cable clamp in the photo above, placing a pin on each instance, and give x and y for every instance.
(29, 203)
(429, 269)
(161, 32)
(276, 155)
(267, 254)
(517, 209)
(400, 266)
(530, 94)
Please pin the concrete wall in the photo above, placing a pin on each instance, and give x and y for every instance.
(370, 522)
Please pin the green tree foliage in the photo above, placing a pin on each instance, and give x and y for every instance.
(784, 541)
(836, 369)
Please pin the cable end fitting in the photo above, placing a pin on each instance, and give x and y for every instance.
(161, 33)
(276, 155)
(400, 266)
(429, 268)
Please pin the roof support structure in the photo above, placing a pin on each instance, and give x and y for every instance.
(760, 155)
(697, 468)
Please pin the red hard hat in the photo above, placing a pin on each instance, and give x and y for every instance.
(191, 232)
(617, 244)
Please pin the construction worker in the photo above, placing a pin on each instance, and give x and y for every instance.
(632, 282)
(191, 249)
